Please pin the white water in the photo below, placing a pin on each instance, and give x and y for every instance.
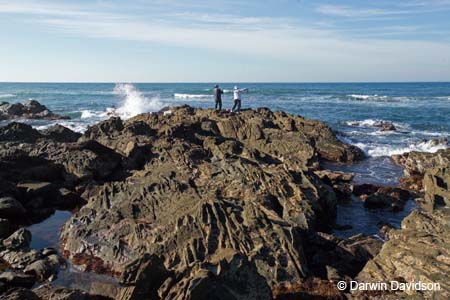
(134, 102)
(191, 96)
(378, 151)
(6, 96)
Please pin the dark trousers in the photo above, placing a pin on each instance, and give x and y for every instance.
(237, 105)
(219, 104)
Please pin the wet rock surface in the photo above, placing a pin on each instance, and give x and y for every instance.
(30, 109)
(417, 163)
(420, 251)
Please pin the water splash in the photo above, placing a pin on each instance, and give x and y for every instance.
(134, 102)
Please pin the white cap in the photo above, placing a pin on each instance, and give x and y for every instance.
(235, 87)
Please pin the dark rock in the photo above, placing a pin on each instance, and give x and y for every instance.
(44, 268)
(31, 109)
(19, 132)
(382, 197)
(60, 133)
(15, 279)
(386, 126)
(346, 256)
(11, 209)
(19, 294)
(6, 228)
(18, 240)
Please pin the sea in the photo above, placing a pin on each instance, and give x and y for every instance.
(419, 111)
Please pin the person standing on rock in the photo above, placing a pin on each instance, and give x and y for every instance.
(218, 97)
(237, 99)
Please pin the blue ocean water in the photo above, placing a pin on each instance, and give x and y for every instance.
(419, 111)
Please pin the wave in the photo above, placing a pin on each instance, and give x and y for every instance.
(378, 98)
(134, 102)
(191, 96)
(7, 96)
(75, 126)
(426, 146)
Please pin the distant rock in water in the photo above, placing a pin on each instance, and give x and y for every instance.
(31, 109)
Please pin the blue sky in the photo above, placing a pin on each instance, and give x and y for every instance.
(224, 41)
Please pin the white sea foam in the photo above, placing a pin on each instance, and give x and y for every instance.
(378, 98)
(134, 102)
(73, 125)
(2, 96)
(191, 96)
(385, 150)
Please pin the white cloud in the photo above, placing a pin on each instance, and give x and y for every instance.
(281, 40)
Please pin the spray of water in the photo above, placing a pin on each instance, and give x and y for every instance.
(134, 102)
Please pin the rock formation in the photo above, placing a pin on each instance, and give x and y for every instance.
(29, 110)
(420, 251)
(218, 205)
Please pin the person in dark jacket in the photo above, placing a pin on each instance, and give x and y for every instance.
(218, 97)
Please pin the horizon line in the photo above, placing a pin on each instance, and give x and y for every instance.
(213, 82)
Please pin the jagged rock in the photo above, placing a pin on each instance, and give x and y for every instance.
(417, 252)
(15, 279)
(345, 257)
(60, 133)
(18, 240)
(417, 163)
(143, 278)
(340, 181)
(44, 268)
(19, 132)
(436, 184)
(420, 250)
(31, 109)
(382, 197)
(233, 279)
(85, 161)
(19, 259)
(209, 185)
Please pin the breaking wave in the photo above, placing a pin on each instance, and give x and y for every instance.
(134, 102)
(2, 96)
(431, 146)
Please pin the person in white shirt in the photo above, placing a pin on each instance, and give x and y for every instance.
(237, 99)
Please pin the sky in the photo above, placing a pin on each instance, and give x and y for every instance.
(224, 41)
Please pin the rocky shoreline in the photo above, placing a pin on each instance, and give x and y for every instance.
(195, 204)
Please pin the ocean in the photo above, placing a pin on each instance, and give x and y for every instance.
(419, 111)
